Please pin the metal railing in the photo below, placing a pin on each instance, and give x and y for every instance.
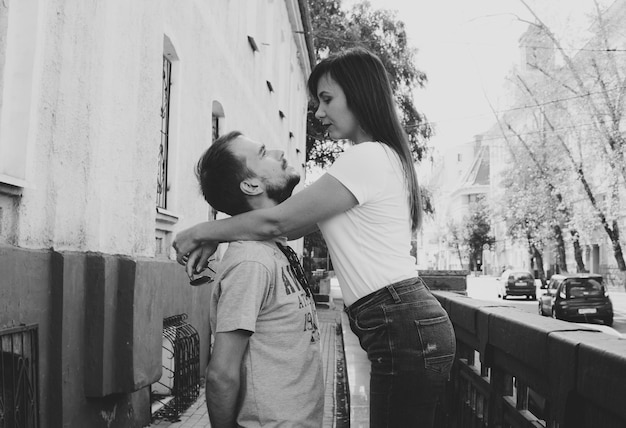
(19, 361)
(519, 370)
(179, 387)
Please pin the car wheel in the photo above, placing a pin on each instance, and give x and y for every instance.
(533, 297)
(609, 322)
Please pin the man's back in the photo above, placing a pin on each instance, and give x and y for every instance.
(282, 381)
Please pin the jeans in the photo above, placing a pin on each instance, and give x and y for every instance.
(410, 343)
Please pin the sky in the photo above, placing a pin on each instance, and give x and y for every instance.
(467, 48)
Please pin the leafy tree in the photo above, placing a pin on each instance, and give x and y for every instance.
(477, 231)
(581, 106)
(384, 34)
(454, 239)
(380, 31)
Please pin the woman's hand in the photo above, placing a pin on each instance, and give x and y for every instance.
(198, 259)
(185, 243)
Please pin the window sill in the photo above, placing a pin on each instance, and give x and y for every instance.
(11, 186)
(165, 220)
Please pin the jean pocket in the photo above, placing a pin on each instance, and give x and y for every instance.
(438, 343)
(370, 319)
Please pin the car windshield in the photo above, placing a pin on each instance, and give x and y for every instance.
(583, 287)
(520, 275)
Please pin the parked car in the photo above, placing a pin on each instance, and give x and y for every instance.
(517, 283)
(577, 297)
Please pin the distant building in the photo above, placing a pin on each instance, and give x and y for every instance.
(105, 107)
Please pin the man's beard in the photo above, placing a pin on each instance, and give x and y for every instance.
(279, 193)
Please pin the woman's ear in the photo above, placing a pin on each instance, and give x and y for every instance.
(251, 187)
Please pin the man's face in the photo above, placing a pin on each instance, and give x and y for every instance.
(269, 166)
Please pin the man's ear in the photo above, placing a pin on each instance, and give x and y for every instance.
(251, 187)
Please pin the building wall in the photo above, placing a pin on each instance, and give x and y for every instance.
(93, 129)
(80, 128)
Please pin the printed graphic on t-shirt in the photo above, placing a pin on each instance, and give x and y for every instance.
(305, 301)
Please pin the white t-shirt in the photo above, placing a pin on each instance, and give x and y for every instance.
(370, 243)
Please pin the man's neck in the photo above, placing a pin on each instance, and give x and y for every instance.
(258, 203)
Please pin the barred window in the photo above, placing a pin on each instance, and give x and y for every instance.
(162, 186)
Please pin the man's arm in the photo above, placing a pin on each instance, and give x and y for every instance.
(223, 377)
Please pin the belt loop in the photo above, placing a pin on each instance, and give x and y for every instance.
(393, 293)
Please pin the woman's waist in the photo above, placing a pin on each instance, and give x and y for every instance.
(356, 285)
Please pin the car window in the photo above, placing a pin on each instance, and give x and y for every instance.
(554, 284)
(583, 287)
(521, 275)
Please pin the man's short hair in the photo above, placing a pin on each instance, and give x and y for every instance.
(220, 173)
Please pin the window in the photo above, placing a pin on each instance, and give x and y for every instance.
(216, 127)
(162, 184)
(165, 217)
(217, 119)
(18, 78)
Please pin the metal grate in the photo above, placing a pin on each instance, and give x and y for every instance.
(19, 407)
(179, 387)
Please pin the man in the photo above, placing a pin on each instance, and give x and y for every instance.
(265, 367)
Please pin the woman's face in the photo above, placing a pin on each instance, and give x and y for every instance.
(333, 112)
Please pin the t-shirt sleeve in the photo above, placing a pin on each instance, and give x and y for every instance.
(242, 292)
(361, 170)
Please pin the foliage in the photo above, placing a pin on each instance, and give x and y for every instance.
(567, 119)
(384, 34)
(454, 239)
(477, 230)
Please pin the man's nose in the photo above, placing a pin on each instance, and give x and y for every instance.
(277, 154)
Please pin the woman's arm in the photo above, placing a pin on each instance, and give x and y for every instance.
(320, 201)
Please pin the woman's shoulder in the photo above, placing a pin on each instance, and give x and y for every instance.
(363, 151)
(370, 146)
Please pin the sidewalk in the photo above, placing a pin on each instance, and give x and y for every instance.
(357, 375)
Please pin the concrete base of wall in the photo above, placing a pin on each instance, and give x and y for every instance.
(100, 320)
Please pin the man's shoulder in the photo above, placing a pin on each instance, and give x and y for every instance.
(264, 252)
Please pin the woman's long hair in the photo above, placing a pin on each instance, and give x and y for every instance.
(365, 83)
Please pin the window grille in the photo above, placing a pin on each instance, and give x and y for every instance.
(216, 127)
(179, 386)
(165, 123)
(19, 359)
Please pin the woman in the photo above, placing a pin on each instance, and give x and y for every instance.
(366, 206)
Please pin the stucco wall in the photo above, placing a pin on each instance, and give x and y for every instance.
(96, 122)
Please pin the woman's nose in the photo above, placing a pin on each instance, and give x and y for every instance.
(319, 113)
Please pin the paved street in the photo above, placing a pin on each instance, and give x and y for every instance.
(485, 288)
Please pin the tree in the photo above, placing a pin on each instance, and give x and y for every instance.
(592, 89)
(477, 232)
(454, 239)
(569, 112)
(384, 34)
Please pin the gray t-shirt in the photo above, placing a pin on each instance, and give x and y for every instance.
(282, 378)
